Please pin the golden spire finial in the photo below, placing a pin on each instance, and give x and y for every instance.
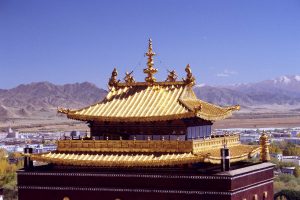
(264, 153)
(150, 71)
(113, 81)
(190, 79)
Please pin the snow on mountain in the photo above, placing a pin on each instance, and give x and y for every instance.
(282, 90)
(297, 78)
(287, 79)
(283, 79)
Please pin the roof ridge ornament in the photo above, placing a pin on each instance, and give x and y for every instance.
(150, 70)
(129, 78)
(172, 76)
(113, 81)
(190, 79)
(264, 143)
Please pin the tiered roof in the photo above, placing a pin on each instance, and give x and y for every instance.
(132, 101)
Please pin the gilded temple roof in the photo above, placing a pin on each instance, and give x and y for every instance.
(238, 153)
(132, 101)
(150, 103)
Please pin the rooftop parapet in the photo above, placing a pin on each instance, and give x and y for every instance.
(146, 146)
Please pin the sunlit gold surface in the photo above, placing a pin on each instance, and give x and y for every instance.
(200, 146)
(150, 70)
(190, 79)
(237, 153)
(145, 153)
(113, 81)
(150, 103)
(145, 146)
(129, 78)
(264, 142)
(113, 160)
(172, 76)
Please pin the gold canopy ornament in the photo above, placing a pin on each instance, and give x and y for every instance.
(150, 70)
(113, 82)
(190, 79)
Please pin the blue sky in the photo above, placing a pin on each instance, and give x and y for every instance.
(225, 42)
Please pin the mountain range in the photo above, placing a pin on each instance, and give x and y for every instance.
(42, 98)
(284, 90)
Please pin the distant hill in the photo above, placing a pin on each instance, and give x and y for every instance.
(32, 99)
(42, 98)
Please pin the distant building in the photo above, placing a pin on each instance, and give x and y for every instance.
(280, 135)
(12, 134)
(12, 148)
(288, 170)
(294, 140)
(294, 133)
(44, 148)
(291, 159)
(277, 156)
(247, 138)
(74, 134)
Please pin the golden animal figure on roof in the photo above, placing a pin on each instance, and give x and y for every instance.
(172, 76)
(129, 77)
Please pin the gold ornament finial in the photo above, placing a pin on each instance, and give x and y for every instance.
(265, 153)
(150, 70)
(129, 78)
(113, 82)
(172, 76)
(190, 79)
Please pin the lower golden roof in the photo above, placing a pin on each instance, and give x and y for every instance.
(237, 153)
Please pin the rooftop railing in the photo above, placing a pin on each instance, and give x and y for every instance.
(146, 146)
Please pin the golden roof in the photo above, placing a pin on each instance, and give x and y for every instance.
(237, 153)
(150, 103)
(132, 101)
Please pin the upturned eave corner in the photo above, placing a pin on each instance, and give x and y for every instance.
(63, 111)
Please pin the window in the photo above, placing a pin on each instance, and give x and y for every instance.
(265, 195)
(197, 132)
(255, 197)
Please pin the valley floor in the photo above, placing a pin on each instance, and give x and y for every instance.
(245, 120)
